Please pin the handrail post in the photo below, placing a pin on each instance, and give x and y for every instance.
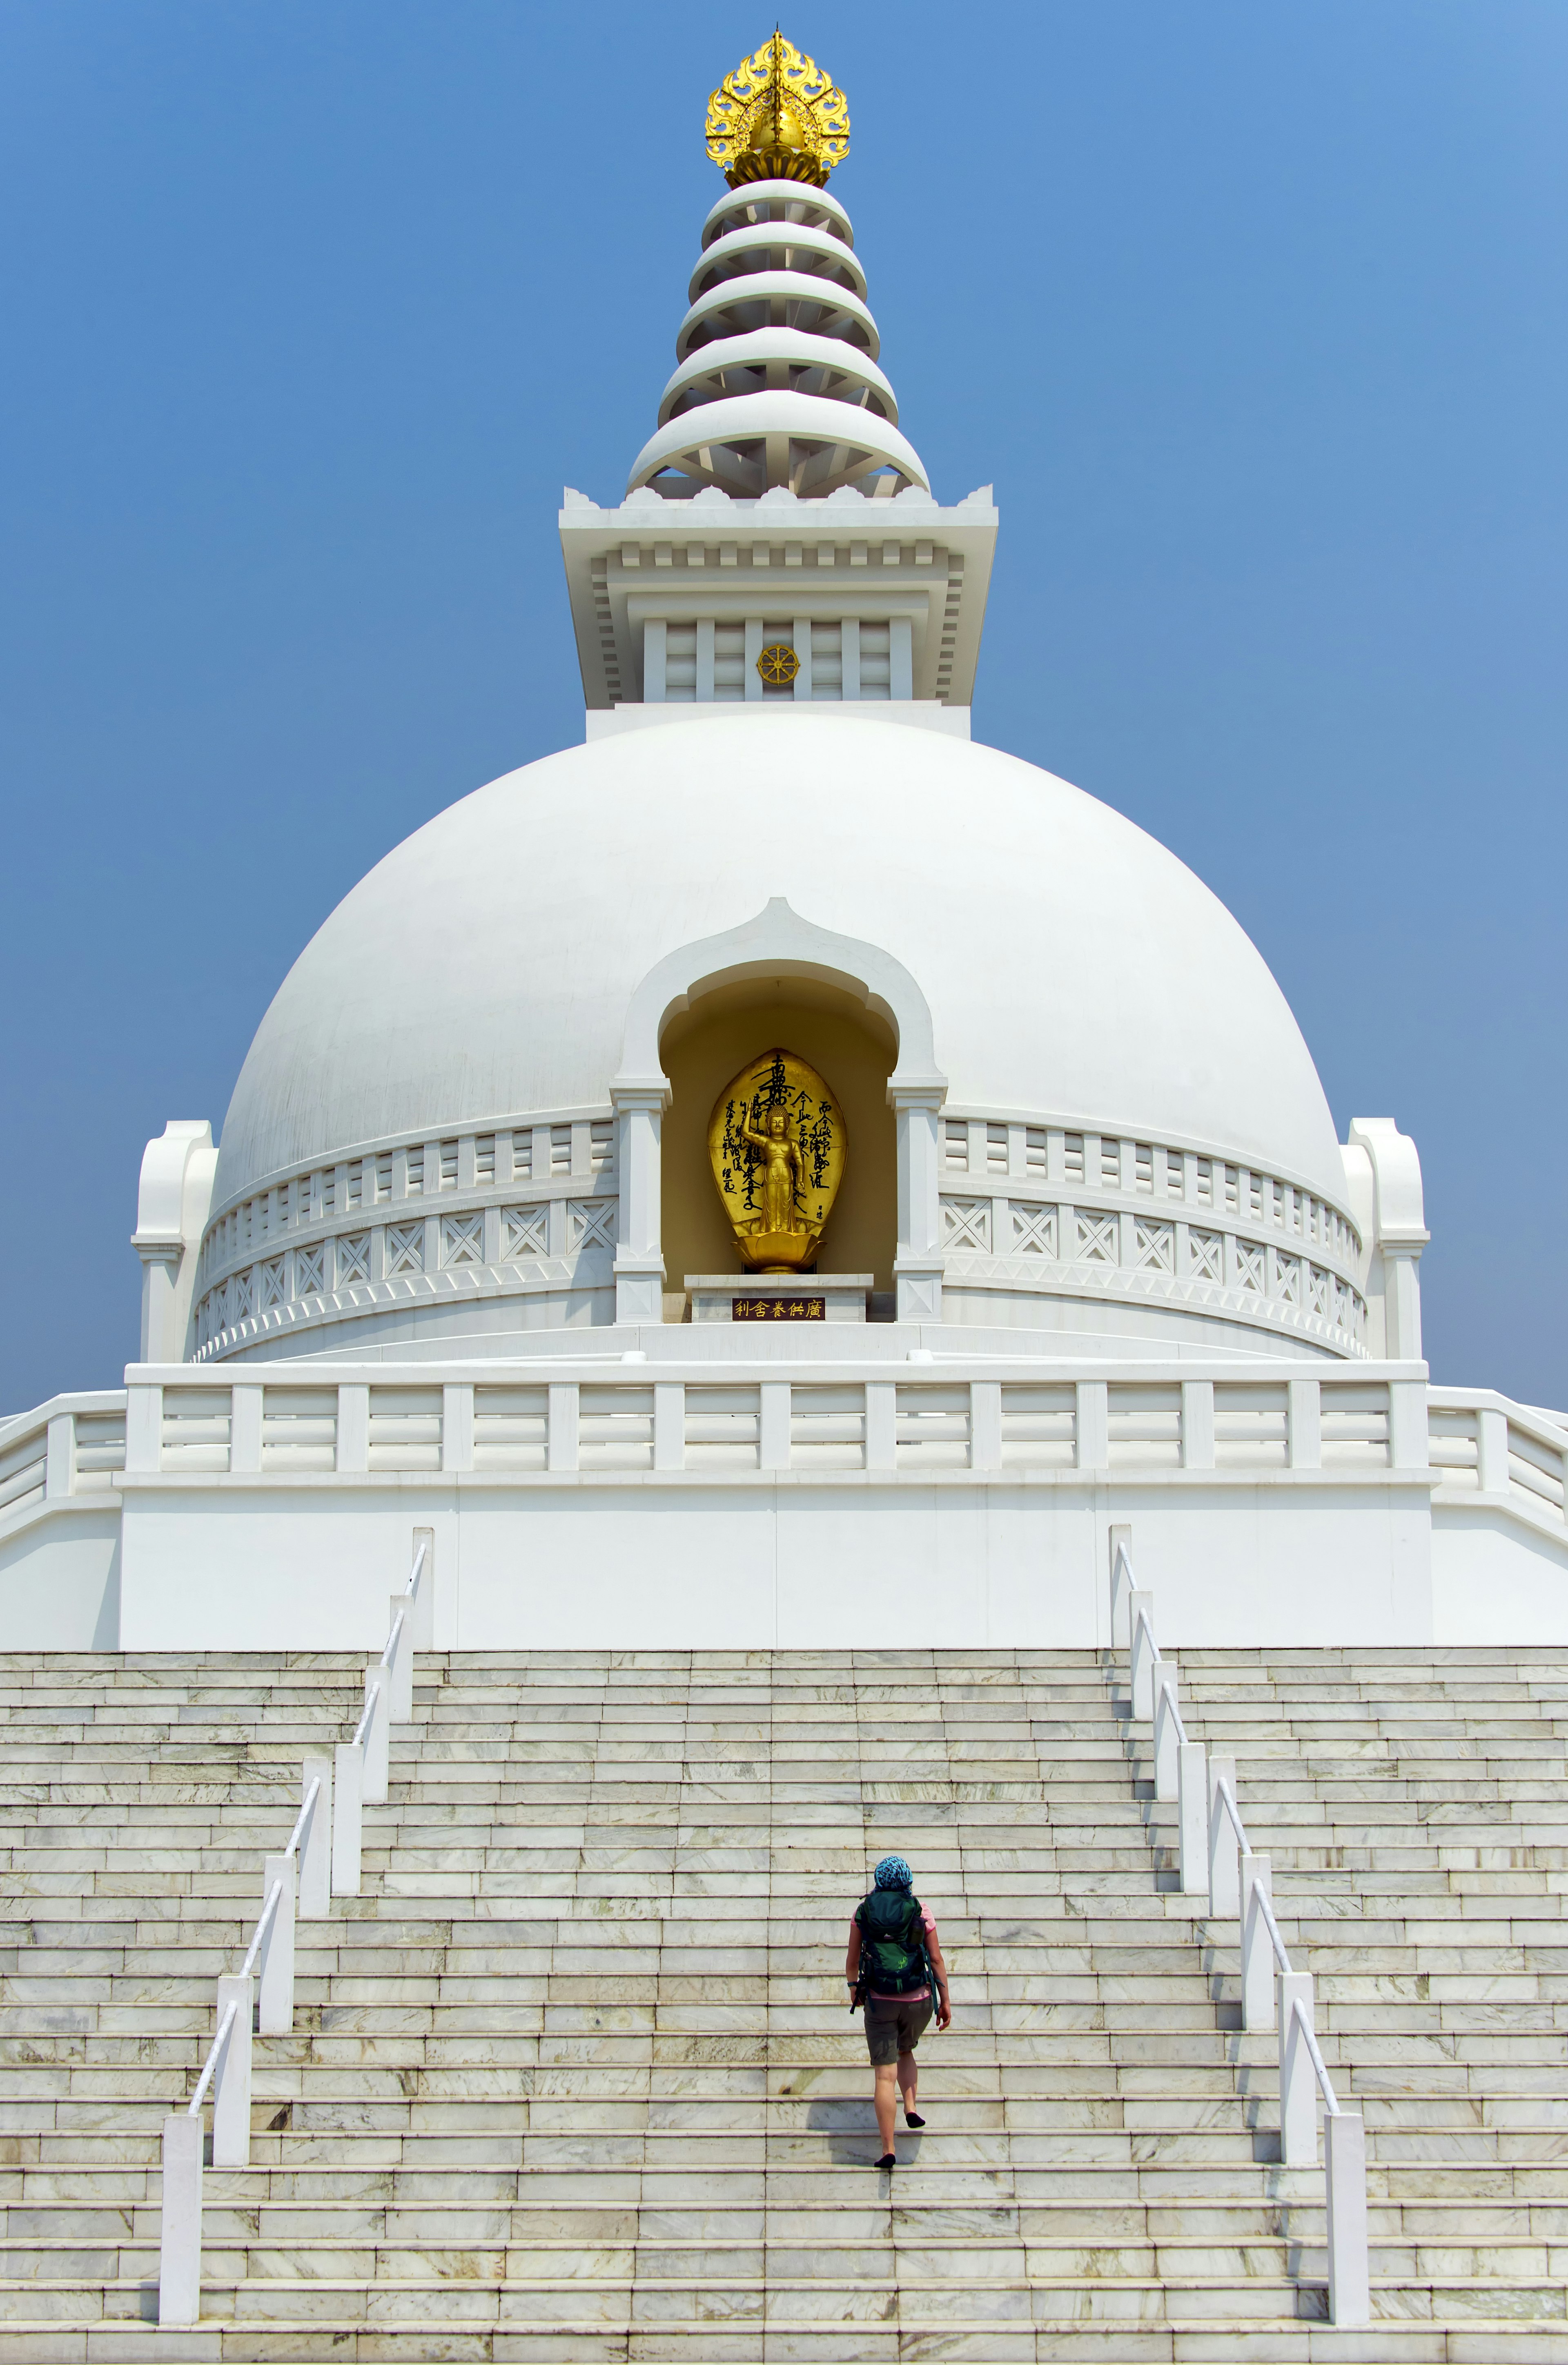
(1121, 1582)
(1257, 1946)
(1140, 1672)
(60, 1457)
(275, 2000)
(378, 1731)
(179, 2238)
(1298, 2080)
(231, 2081)
(420, 1628)
(1225, 1855)
(1167, 1732)
(399, 1665)
(348, 1819)
(314, 1900)
(1193, 1817)
(1345, 2180)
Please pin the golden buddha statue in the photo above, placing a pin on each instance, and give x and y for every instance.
(777, 1142)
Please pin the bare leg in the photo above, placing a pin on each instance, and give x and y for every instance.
(887, 2103)
(909, 2080)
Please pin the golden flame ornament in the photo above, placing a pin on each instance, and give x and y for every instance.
(778, 1143)
(778, 118)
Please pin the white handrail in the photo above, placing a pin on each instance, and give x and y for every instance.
(268, 1910)
(1224, 1791)
(204, 2082)
(1167, 1688)
(179, 2256)
(1239, 1885)
(397, 1624)
(362, 1730)
(1330, 2100)
(307, 1809)
(1272, 1927)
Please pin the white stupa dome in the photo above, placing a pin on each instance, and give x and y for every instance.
(1073, 966)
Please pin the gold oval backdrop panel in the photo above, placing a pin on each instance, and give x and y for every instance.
(778, 1143)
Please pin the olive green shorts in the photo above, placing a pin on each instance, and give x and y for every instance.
(894, 2027)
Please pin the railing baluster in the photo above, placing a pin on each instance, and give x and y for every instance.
(231, 2077)
(315, 1884)
(179, 2239)
(1225, 1861)
(1298, 2087)
(1193, 1817)
(1257, 1946)
(275, 2015)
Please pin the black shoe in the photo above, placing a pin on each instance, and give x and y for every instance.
(911, 2121)
(888, 2161)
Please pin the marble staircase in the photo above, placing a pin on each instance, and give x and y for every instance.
(574, 2078)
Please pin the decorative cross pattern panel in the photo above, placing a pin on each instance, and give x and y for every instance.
(272, 1289)
(1289, 1290)
(405, 1247)
(353, 1257)
(1250, 1262)
(1033, 1230)
(1098, 1236)
(310, 1268)
(1320, 1296)
(1205, 1255)
(1154, 1246)
(463, 1239)
(965, 1224)
(242, 1296)
(590, 1223)
(525, 1231)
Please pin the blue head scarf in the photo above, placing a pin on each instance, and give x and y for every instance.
(893, 1873)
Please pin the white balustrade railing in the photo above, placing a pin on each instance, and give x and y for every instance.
(320, 1860)
(960, 1414)
(1217, 1856)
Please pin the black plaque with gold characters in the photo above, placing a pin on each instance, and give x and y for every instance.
(779, 1309)
(777, 1142)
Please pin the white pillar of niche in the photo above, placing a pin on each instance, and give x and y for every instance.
(173, 1200)
(917, 1268)
(654, 640)
(639, 1251)
(1399, 1233)
(1401, 1304)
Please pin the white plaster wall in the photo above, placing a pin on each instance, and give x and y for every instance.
(645, 1564)
(268, 1570)
(59, 1583)
(1494, 1582)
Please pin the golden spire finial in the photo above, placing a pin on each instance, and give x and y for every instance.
(778, 118)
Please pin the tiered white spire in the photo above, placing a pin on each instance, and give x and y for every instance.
(777, 382)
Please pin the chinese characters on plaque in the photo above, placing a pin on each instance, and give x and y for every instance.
(779, 1309)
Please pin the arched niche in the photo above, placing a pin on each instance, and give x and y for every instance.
(834, 987)
(852, 1046)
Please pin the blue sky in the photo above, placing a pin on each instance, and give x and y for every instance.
(1253, 314)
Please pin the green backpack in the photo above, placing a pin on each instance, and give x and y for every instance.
(893, 1960)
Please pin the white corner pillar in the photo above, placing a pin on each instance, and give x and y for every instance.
(1401, 1304)
(654, 639)
(163, 1332)
(173, 1200)
(1378, 1153)
(917, 1268)
(639, 1250)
